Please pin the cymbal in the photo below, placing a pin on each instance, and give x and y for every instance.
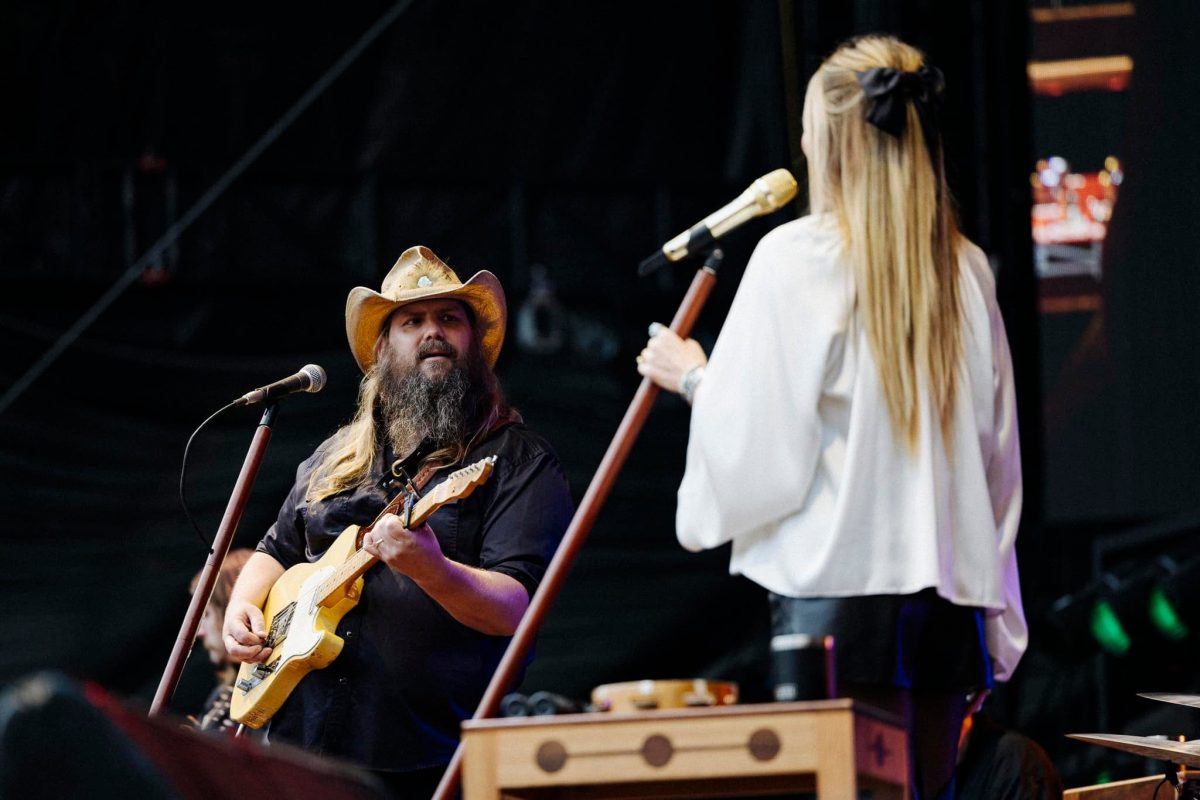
(1187, 753)
(1192, 700)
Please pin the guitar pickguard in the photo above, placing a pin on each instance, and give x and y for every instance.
(301, 635)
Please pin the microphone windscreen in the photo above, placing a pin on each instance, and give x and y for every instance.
(316, 377)
(780, 187)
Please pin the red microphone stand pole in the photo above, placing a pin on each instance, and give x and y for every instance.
(216, 557)
(581, 524)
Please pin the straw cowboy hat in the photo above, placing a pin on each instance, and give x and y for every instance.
(420, 275)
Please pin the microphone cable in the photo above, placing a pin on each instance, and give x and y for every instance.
(183, 473)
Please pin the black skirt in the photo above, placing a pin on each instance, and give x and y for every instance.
(918, 641)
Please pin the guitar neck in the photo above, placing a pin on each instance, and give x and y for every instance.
(353, 568)
(458, 485)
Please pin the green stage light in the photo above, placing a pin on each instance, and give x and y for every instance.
(1165, 616)
(1175, 598)
(1108, 631)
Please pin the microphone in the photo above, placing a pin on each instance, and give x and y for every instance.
(769, 193)
(310, 378)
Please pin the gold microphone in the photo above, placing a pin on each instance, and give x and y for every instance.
(769, 193)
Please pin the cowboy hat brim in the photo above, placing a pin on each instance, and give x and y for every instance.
(367, 310)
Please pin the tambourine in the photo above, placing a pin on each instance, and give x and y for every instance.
(648, 695)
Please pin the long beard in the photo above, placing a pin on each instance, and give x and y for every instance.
(414, 406)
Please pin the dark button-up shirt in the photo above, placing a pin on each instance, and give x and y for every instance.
(409, 673)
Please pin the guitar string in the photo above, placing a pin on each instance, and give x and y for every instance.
(343, 573)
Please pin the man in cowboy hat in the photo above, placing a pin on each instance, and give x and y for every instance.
(431, 626)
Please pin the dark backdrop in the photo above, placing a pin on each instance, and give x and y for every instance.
(555, 144)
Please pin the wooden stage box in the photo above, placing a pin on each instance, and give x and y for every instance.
(832, 747)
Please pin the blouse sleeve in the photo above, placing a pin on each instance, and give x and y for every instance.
(1006, 630)
(755, 436)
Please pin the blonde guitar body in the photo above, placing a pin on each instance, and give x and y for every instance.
(308, 601)
(306, 642)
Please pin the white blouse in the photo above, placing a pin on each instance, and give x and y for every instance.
(793, 458)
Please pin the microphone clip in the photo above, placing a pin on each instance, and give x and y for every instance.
(713, 256)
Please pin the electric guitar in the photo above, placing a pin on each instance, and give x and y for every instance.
(308, 601)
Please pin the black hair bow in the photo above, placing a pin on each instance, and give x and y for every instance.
(888, 91)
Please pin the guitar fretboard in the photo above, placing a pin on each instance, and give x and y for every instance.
(458, 485)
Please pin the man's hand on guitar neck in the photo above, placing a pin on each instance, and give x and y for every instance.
(490, 602)
(415, 553)
(245, 630)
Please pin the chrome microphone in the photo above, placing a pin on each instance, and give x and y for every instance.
(310, 378)
(769, 193)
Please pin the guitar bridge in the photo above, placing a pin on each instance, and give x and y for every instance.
(256, 676)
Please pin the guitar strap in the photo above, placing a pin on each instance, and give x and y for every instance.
(426, 471)
(424, 474)
(396, 504)
(422, 477)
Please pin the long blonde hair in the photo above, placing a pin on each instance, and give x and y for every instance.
(352, 451)
(889, 197)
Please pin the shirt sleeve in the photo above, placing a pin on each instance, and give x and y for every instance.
(284, 541)
(755, 434)
(1006, 630)
(526, 520)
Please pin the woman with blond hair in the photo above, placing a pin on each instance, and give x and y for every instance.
(854, 434)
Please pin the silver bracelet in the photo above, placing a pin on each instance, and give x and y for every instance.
(690, 380)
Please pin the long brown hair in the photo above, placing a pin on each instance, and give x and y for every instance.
(889, 196)
(231, 567)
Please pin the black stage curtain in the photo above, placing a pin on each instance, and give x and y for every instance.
(555, 144)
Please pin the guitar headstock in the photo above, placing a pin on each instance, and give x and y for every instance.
(458, 484)
(461, 483)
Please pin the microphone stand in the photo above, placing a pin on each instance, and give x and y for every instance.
(216, 557)
(581, 523)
